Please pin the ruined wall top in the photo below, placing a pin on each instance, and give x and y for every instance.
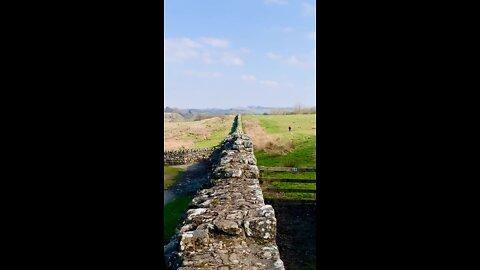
(228, 226)
(238, 122)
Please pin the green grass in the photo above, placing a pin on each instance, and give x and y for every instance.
(173, 212)
(290, 175)
(290, 195)
(171, 175)
(303, 137)
(215, 138)
(292, 185)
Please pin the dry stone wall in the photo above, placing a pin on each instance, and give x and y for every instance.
(229, 226)
(186, 156)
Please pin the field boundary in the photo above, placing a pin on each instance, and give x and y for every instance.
(285, 190)
(185, 150)
(285, 169)
(266, 182)
(187, 156)
(270, 180)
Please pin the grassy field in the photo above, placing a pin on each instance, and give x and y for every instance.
(275, 146)
(173, 212)
(270, 132)
(171, 175)
(215, 138)
(196, 134)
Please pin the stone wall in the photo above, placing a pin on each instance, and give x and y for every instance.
(186, 156)
(228, 225)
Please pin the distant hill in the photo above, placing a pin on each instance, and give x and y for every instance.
(216, 111)
(172, 117)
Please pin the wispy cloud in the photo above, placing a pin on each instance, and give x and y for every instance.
(207, 58)
(273, 56)
(180, 49)
(253, 79)
(312, 35)
(287, 29)
(278, 2)
(215, 42)
(293, 60)
(249, 78)
(309, 9)
(201, 74)
(231, 59)
(269, 83)
(206, 50)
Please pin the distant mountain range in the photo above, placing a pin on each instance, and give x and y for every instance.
(244, 110)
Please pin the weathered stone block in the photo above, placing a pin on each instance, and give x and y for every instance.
(192, 239)
(228, 227)
(262, 228)
(266, 211)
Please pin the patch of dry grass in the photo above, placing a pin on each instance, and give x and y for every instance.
(262, 141)
(187, 134)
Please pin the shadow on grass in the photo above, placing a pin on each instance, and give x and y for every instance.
(174, 212)
(296, 233)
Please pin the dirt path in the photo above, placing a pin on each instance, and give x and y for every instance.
(194, 177)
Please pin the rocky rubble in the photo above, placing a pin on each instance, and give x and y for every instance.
(229, 226)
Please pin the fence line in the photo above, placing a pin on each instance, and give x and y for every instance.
(269, 180)
(286, 169)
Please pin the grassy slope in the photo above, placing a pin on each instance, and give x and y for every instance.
(191, 132)
(303, 137)
(215, 138)
(172, 215)
(171, 175)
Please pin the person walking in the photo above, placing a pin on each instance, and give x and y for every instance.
(289, 129)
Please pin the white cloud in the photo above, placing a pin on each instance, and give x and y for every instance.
(180, 49)
(278, 2)
(290, 85)
(215, 42)
(203, 50)
(273, 56)
(232, 59)
(250, 78)
(309, 9)
(200, 74)
(293, 60)
(287, 29)
(269, 83)
(207, 58)
(312, 35)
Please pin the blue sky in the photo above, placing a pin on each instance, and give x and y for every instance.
(237, 53)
